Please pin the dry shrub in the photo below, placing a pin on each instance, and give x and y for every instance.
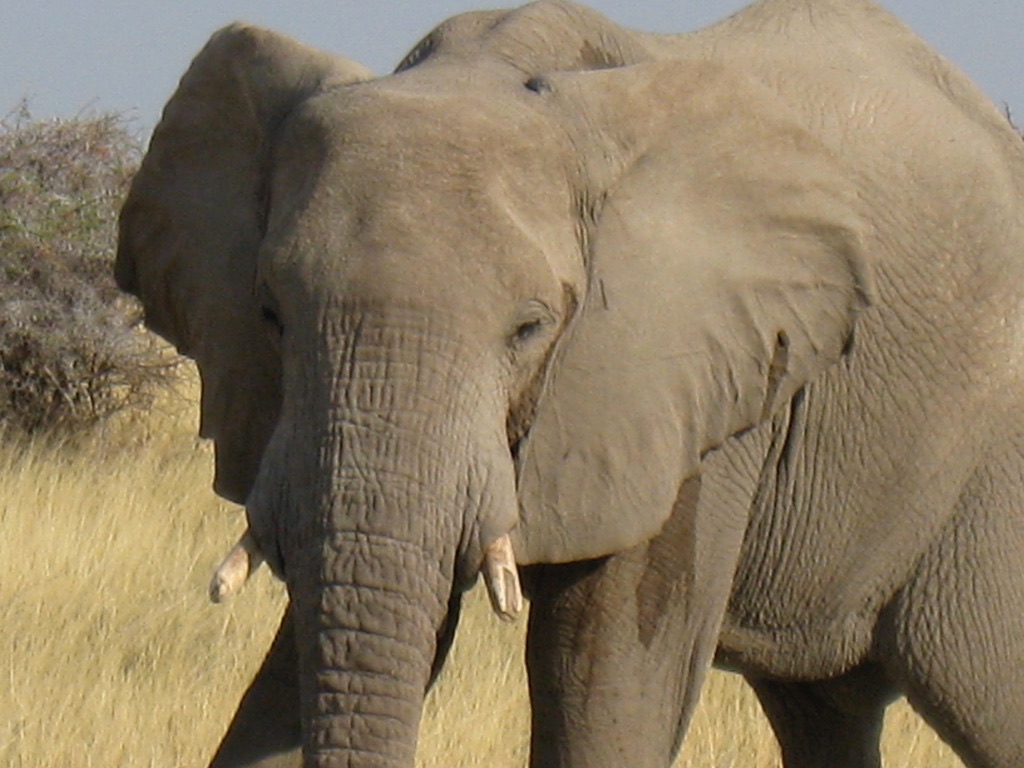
(72, 351)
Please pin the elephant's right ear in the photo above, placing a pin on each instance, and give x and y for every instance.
(192, 224)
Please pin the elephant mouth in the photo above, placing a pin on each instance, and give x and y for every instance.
(499, 570)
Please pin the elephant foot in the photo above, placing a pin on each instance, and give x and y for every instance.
(240, 563)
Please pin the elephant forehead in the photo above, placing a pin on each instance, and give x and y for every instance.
(441, 129)
(397, 185)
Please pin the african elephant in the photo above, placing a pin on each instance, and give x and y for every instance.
(721, 331)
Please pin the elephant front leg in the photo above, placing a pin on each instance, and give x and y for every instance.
(617, 649)
(265, 732)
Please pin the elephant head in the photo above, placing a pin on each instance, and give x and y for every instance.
(518, 287)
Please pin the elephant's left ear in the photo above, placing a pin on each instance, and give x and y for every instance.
(727, 268)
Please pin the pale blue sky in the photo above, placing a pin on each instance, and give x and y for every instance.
(127, 55)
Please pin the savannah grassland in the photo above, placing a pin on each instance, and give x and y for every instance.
(111, 655)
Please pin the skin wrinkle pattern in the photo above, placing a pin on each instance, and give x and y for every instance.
(708, 344)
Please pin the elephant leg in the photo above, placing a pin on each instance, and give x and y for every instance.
(617, 649)
(955, 633)
(266, 729)
(829, 724)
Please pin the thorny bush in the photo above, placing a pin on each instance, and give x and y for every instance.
(72, 350)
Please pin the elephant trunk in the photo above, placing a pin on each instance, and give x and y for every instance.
(367, 616)
(372, 493)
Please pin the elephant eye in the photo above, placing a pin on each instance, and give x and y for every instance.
(271, 318)
(526, 331)
(269, 311)
(533, 319)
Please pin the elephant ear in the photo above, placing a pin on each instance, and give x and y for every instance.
(193, 220)
(726, 270)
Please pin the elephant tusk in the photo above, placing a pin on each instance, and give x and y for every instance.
(502, 579)
(231, 575)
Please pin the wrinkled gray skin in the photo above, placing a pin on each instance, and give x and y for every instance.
(726, 328)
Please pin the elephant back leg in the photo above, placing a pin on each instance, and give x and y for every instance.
(828, 724)
(955, 634)
(617, 648)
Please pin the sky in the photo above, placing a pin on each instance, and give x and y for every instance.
(71, 57)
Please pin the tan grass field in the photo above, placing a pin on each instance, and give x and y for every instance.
(111, 655)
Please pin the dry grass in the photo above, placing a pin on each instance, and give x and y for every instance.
(111, 655)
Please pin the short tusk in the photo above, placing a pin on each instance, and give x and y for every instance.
(502, 579)
(238, 566)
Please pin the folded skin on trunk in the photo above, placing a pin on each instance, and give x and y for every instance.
(366, 649)
(369, 501)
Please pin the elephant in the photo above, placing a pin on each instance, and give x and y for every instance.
(716, 336)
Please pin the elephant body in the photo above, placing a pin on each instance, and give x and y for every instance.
(722, 331)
